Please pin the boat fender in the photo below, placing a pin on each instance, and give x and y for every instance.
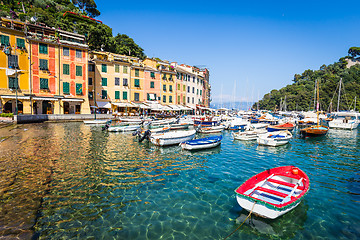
(295, 171)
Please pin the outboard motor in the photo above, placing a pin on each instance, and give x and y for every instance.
(106, 127)
(137, 132)
(146, 135)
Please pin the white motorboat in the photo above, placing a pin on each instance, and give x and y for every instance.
(202, 143)
(172, 138)
(123, 128)
(249, 135)
(213, 129)
(344, 120)
(275, 139)
(96, 121)
(177, 126)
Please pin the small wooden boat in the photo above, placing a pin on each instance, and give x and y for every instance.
(172, 138)
(314, 131)
(123, 128)
(275, 139)
(273, 192)
(214, 129)
(281, 127)
(249, 135)
(202, 143)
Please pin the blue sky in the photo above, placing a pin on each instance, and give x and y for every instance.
(260, 45)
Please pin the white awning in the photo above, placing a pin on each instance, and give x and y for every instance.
(14, 97)
(143, 106)
(44, 99)
(103, 104)
(72, 100)
(124, 104)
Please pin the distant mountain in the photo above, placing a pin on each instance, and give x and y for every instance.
(232, 105)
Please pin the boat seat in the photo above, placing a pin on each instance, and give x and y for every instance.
(284, 183)
(273, 192)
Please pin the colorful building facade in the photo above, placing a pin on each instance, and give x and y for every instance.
(14, 68)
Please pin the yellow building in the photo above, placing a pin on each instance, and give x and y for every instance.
(168, 87)
(14, 68)
(110, 81)
(137, 81)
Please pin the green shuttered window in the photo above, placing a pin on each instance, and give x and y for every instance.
(103, 94)
(117, 68)
(170, 99)
(117, 94)
(164, 88)
(44, 64)
(5, 40)
(20, 43)
(13, 83)
(44, 83)
(124, 95)
(43, 48)
(152, 84)
(103, 68)
(137, 83)
(125, 69)
(66, 69)
(152, 74)
(79, 71)
(78, 89)
(170, 88)
(137, 74)
(103, 81)
(164, 99)
(66, 88)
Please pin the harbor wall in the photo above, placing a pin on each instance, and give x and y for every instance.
(58, 117)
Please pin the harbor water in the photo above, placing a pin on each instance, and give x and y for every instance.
(70, 180)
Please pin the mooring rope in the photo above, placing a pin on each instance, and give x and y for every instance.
(242, 222)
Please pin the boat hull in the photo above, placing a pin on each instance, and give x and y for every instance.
(199, 147)
(261, 210)
(123, 128)
(166, 139)
(273, 141)
(343, 125)
(314, 131)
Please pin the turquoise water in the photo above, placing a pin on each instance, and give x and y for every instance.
(69, 180)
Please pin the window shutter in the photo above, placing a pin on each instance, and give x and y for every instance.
(137, 83)
(104, 68)
(66, 69)
(13, 61)
(170, 99)
(66, 88)
(13, 83)
(125, 69)
(79, 71)
(164, 99)
(44, 83)
(20, 43)
(5, 40)
(43, 48)
(152, 74)
(152, 84)
(78, 89)
(170, 88)
(137, 73)
(103, 94)
(124, 95)
(125, 82)
(164, 88)
(104, 82)
(43, 64)
(117, 68)
(117, 94)
(148, 96)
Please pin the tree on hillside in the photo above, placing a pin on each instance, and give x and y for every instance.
(89, 6)
(125, 45)
(354, 52)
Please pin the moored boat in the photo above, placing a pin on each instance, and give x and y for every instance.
(97, 121)
(123, 128)
(172, 138)
(275, 139)
(273, 192)
(214, 129)
(344, 120)
(281, 127)
(202, 143)
(177, 126)
(249, 135)
(314, 131)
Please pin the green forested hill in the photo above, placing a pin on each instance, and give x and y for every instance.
(52, 13)
(300, 94)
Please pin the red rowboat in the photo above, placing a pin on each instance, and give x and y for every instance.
(281, 127)
(273, 192)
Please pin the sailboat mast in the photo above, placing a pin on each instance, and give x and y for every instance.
(315, 93)
(318, 102)
(339, 95)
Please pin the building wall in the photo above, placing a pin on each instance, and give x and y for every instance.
(23, 75)
(147, 84)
